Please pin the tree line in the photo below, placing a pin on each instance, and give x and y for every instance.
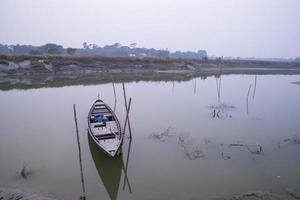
(93, 49)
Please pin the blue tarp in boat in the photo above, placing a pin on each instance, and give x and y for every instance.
(98, 118)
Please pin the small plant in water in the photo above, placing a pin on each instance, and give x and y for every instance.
(23, 172)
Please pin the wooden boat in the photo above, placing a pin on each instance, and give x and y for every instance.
(109, 169)
(104, 128)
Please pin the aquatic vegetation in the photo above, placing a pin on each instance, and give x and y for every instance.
(23, 172)
(296, 83)
(257, 195)
(191, 150)
(163, 135)
(221, 111)
(293, 193)
(225, 157)
(253, 149)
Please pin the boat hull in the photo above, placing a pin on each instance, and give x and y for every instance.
(104, 128)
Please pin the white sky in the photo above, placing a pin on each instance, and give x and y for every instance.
(260, 28)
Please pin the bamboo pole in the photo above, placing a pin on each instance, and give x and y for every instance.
(127, 111)
(79, 155)
(126, 167)
(127, 119)
(115, 104)
(254, 87)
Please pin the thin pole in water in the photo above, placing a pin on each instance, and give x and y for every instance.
(127, 110)
(125, 169)
(127, 119)
(254, 87)
(79, 154)
(114, 96)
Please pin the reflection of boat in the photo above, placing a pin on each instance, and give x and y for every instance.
(109, 169)
(104, 128)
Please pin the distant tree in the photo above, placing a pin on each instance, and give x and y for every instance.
(205, 58)
(94, 46)
(133, 45)
(4, 49)
(71, 51)
(117, 45)
(162, 53)
(34, 52)
(52, 50)
(85, 45)
(219, 59)
(297, 59)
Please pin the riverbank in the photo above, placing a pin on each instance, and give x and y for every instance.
(25, 72)
(290, 194)
(16, 194)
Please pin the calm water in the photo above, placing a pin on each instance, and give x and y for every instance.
(201, 138)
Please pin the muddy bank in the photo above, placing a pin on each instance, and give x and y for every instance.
(25, 72)
(16, 194)
(288, 194)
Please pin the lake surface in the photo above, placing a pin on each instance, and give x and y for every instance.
(195, 139)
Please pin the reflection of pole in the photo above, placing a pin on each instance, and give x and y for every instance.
(126, 167)
(254, 90)
(79, 154)
(247, 108)
(195, 85)
(218, 82)
(220, 88)
(127, 119)
(115, 96)
(127, 111)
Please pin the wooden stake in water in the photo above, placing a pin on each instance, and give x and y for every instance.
(79, 154)
(125, 169)
(127, 111)
(115, 104)
(127, 119)
(254, 87)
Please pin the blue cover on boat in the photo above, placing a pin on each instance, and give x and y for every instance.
(98, 118)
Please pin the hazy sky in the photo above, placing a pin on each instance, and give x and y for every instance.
(261, 28)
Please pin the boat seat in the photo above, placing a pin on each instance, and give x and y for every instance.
(105, 136)
(99, 125)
